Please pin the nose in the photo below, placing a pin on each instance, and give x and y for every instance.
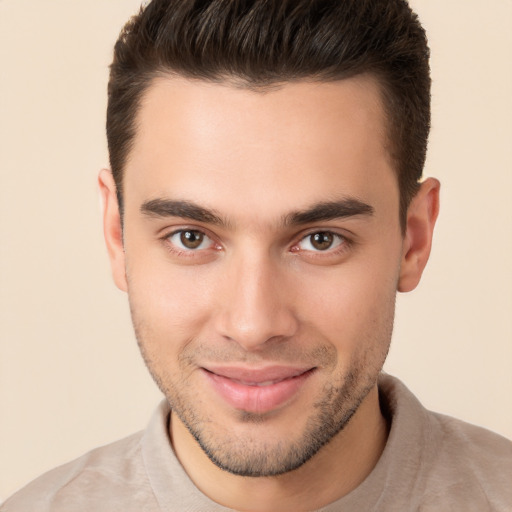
(256, 305)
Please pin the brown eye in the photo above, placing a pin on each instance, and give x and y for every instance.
(191, 239)
(191, 243)
(322, 241)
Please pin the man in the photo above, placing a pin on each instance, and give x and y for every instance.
(263, 208)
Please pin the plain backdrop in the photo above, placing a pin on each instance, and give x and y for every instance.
(71, 377)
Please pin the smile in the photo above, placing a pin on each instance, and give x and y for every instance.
(257, 390)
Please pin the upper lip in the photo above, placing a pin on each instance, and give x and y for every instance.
(257, 375)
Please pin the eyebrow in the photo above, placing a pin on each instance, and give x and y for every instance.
(323, 211)
(184, 209)
(330, 210)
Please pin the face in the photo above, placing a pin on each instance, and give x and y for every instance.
(262, 253)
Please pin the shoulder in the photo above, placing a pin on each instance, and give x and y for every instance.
(101, 477)
(472, 441)
(448, 464)
(470, 462)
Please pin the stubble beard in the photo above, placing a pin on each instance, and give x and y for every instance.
(252, 456)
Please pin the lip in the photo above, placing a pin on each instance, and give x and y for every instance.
(257, 390)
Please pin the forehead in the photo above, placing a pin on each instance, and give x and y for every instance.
(297, 143)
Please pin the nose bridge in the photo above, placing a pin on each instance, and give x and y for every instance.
(256, 308)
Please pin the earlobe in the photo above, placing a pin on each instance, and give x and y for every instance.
(421, 219)
(112, 228)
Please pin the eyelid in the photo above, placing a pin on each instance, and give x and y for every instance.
(344, 242)
(205, 240)
(337, 239)
(173, 247)
(178, 228)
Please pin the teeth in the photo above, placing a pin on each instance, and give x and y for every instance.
(260, 384)
(267, 383)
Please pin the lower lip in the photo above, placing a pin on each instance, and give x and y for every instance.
(257, 399)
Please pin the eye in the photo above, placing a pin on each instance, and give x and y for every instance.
(320, 241)
(190, 240)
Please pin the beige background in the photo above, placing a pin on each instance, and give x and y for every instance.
(71, 377)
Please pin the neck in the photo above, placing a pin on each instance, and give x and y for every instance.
(347, 460)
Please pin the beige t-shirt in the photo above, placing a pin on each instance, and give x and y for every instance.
(431, 463)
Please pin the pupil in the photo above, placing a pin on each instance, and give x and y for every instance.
(322, 241)
(191, 239)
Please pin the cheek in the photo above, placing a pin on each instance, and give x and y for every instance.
(353, 307)
(168, 303)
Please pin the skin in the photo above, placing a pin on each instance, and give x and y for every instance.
(257, 291)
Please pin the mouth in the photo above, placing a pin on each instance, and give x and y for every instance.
(257, 390)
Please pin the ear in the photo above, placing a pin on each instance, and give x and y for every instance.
(421, 218)
(112, 228)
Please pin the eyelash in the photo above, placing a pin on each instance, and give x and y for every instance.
(186, 252)
(343, 244)
(340, 242)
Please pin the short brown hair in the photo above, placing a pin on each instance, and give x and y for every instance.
(260, 43)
